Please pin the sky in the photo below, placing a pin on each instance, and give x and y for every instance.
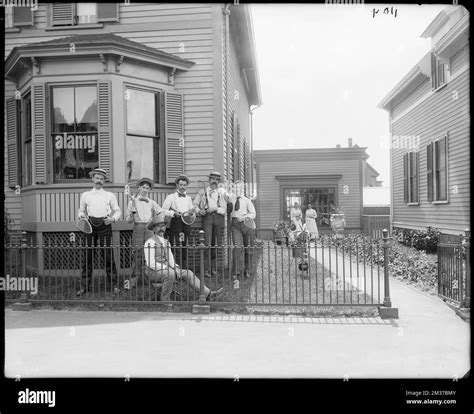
(324, 69)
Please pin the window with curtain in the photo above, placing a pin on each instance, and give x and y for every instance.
(437, 167)
(74, 131)
(143, 134)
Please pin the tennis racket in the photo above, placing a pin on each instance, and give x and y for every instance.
(250, 223)
(200, 188)
(188, 217)
(84, 225)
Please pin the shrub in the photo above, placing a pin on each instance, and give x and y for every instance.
(413, 266)
(426, 240)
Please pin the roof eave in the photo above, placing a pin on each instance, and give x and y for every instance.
(96, 48)
(400, 87)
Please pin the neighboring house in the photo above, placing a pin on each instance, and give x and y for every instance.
(319, 176)
(370, 176)
(430, 128)
(138, 89)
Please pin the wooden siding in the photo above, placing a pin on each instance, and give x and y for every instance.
(418, 92)
(269, 194)
(167, 27)
(438, 115)
(460, 58)
(62, 205)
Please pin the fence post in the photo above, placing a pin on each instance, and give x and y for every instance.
(466, 243)
(201, 307)
(23, 303)
(387, 312)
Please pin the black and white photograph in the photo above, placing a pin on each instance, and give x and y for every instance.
(236, 192)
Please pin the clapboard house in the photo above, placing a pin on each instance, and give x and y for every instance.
(324, 177)
(430, 127)
(146, 89)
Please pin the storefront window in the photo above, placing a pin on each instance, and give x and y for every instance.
(75, 138)
(143, 143)
(322, 199)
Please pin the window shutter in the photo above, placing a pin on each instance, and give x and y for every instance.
(417, 177)
(433, 71)
(62, 14)
(429, 170)
(174, 135)
(39, 134)
(105, 128)
(22, 16)
(107, 12)
(12, 142)
(236, 148)
(405, 178)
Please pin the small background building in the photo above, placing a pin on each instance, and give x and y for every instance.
(311, 175)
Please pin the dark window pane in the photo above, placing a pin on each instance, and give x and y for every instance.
(143, 157)
(75, 155)
(63, 110)
(141, 112)
(86, 109)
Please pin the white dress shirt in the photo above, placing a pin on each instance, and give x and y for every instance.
(99, 203)
(246, 209)
(163, 246)
(215, 199)
(180, 204)
(145, 211)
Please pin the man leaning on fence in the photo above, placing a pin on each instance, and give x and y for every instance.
(161, 266)
(101, 209)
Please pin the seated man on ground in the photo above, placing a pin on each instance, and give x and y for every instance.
(161, 266)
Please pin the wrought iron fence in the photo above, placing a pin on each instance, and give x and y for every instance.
(454, 271)
(332, 271)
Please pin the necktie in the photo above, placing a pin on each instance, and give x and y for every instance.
(144, 199)
(181, 195)
(237, 204)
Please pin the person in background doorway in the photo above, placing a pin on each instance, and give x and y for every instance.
(310, 221)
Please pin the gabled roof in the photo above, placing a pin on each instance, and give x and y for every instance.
(95, 44)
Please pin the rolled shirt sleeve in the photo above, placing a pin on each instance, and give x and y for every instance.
(116, 212)
(157, 209)
(251, 210)
(82, 206)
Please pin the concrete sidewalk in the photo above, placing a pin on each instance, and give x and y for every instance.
(428, 341)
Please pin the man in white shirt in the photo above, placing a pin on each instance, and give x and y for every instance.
(140, 211)
(161, 266)
(241, 234)
(179, 202)
(212, 205)
(101, 209)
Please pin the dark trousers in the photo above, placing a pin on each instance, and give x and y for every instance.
(243, 238)
(99, 240)
(176, 227)
(140, 235)
(213, 225)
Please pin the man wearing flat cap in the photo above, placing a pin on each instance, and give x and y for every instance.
(140, 211)
(212, 205)
(100, 207)
(161, 265)
(179, 202)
